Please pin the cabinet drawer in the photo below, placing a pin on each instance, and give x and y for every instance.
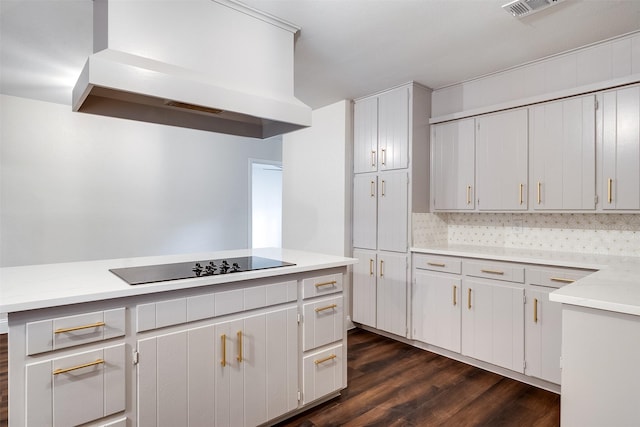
(322, 373)
(554, 277)
(494, 270)
(69, 331)
(323, 322)
(438, 263)
(76, 389)
(322, 285)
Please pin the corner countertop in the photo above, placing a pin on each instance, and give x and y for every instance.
(615, 286)
(49, 285)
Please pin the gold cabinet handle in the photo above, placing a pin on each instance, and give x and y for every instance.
(436, 264)
(561, 280)
(223, 340)
(535, 310)
(383, 187)
(468, 194)
(77, 328)
(539, 198)
(325, 359)
(469, 298)
(239, 346)
(373, 188)
(609, 186)
(381, 268)
(330, 283)
(373, 157)
(492, 272)
(521, 198)
(74, 368)
(455, 292)
(328, 307)
(384, 156)
(371, 266)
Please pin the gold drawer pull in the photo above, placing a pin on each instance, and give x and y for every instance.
(74, 368)
(382, 186)
(223, 339)
(535, 310)
(384, 156)
(373, 157)
(492, 271)
(609, 185)
(521, 188)
(561, 280)
(372, 193)
(77, 328)
(239, 346)
(331, 283)
(468, 194)
(436, 264)
(381, 268)
(539, 198)
(469, 298)
(455, 292)
(370, 267)
(329, 307)
(326, 359)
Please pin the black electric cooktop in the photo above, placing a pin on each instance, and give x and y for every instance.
(187, 270)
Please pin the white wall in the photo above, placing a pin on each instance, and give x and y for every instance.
(78, 187)
(317, 167)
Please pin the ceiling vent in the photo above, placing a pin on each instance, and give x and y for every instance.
(520, 8)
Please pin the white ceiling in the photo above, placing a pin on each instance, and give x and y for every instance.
(346, 49)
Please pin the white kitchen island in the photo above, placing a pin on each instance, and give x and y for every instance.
(245, 348)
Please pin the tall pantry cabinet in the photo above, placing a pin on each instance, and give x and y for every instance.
(391, 170)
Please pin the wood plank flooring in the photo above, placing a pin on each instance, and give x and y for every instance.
(394, 384)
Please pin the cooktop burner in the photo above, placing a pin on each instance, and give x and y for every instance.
(187, 270)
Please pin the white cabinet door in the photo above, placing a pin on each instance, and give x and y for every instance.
(543, 332)
(392, 293)
(501, 161)
(453, 165)
(365, 135)
(562, 138)
(493, 323)
(436, 309)
(393, 129)
(393, 217)
(364, 287)
(365, 211)
(229, 381)
(621, 150)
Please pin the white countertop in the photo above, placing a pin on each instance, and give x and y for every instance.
(48, 285)
(614, 287)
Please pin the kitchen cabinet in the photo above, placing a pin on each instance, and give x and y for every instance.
(620, 184)
(563, 147)
(453, 165)
(501, 161)
(365, 211)
(364, 287)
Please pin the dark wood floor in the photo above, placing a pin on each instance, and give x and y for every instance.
(394, 384)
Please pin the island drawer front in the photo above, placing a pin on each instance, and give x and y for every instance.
(76, 389)
(554, 277)
(437, 263)
(322, 373)
(321, 285)
(69, 331)
(323, 322)
(494, 270)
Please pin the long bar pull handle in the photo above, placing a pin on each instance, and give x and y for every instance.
(562, 280)
(74, 368)
(239, 346)
(77, 328)
(328, 307)
(455, 293)
(373, 157)
(381, 268)
(383, 188)
(325, 359)
(373, 188)
(609, 187)
(521, 198)
(330, 283)
(535, 310)
(384, 156)
(492, 272)
(223, 341)
(469, 298)
(371, 266)
(539, 198)
(468, 194)
(436, 264)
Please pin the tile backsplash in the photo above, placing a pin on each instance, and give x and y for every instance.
(608, 234)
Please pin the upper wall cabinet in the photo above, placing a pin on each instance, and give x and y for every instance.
(562, 154)
(453, 165)
(621, 149)
(381, 132)
(501, 161)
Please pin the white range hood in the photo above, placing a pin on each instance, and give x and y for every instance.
(213, 65)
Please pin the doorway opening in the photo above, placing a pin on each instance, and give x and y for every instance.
(265, 222)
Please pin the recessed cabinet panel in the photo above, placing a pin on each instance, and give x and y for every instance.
(323, 322)
(392, 293)
(393, 193)
(365, 135)
(543, 333)
(393, 129)
(322, 373)
(364, 287)
(365, 211)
